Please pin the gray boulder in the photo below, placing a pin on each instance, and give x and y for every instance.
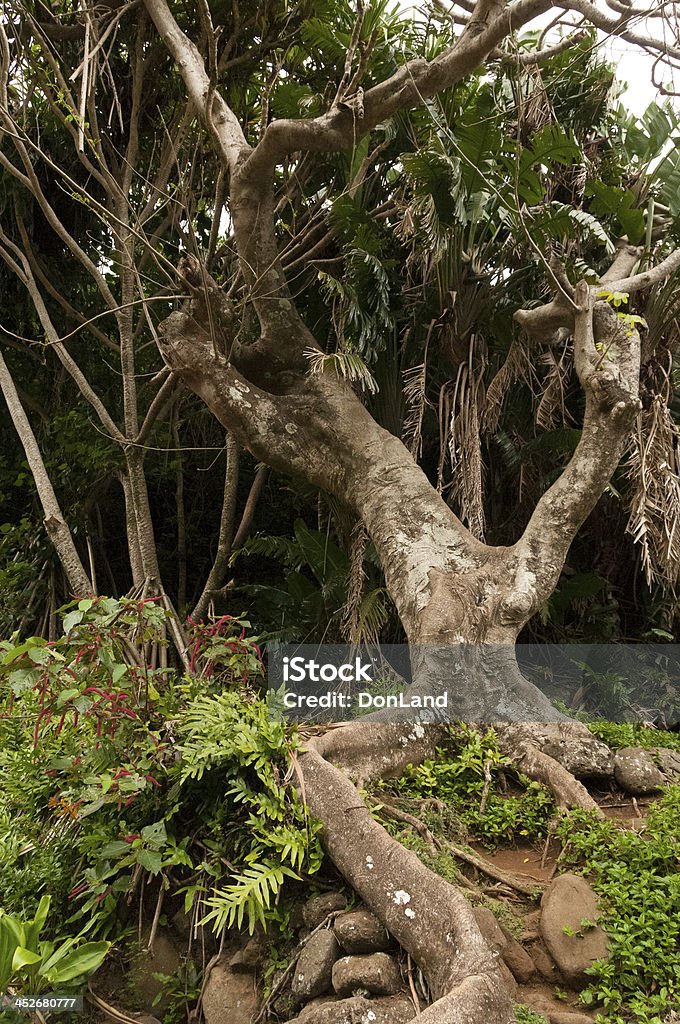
(229, 997)
(314, 970)
(360, 931)
(636, 772)
(317, 909)
(396, 1009)
(568, 906)
(376, 973)
(668, 761)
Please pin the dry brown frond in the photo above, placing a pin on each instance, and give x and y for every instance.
(653, 469)
(349, 622)
(517, 365)
(415, 382)
(551, 409)
(467, 406)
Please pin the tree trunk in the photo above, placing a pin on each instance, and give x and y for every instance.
(449, 588)
(217, 573)
(56, 526)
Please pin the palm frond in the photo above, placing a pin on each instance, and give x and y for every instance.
(355, 582)
(345, 365)
(517, 365)
(466, 490)
(247, 897)
(551, 410)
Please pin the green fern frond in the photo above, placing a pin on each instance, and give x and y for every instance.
(249, 896)
(372, 614)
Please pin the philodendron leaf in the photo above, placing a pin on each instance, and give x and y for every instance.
(24, 958)
(79, 962)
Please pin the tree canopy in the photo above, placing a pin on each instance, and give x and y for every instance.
(406, 249)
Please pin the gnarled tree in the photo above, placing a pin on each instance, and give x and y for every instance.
(246, 349)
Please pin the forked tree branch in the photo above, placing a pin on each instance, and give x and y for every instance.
(607, 362)
(416, 81)
(217, 116)
(648, 278)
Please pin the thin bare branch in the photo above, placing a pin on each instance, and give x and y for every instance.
(227, 523)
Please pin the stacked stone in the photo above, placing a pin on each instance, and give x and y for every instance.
(348, 972)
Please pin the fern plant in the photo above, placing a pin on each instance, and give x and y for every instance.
(311, 602)
(248, 897)
(237, 738)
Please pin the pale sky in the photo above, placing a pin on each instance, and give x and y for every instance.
(634, 68)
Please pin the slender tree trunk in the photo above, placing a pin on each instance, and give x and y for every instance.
(132, 534)
(141, 509)
(56, 526)
(226, 532)
(181, 516)
(254, 495)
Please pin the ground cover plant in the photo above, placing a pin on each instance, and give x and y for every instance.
(127, 790)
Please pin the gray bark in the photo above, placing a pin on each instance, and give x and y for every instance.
(55, 524)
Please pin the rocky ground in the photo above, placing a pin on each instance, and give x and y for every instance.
(343, 967)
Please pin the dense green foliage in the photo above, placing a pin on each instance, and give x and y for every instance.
(113, 770)
(466, 769)
(435, 232)
(630, 734)
(635, 873)
(128, 783)
(636, 876)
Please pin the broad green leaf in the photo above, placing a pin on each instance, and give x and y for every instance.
(79, 962)
(151, 860)
(24, 958)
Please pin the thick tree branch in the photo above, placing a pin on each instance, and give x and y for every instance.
(342, 126)
(218, 118)
(319, 430)
(627, 256)
(655, 275)
(607, 361)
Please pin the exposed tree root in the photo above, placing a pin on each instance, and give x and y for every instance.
(390, 811)
(523, 885)
(429, 917)
(569, 743)
(565, 788)
(526, 886)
